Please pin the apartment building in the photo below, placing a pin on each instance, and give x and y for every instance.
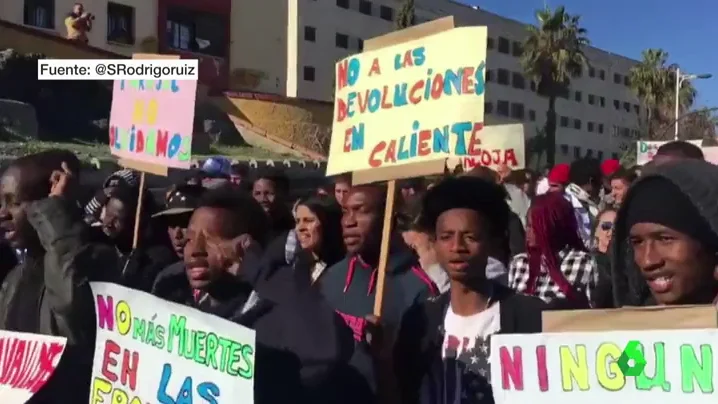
(598, 117)
(289, 48)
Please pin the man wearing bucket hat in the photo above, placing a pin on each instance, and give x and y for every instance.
(171, 283)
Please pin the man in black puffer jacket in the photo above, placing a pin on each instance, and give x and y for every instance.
(49, 292)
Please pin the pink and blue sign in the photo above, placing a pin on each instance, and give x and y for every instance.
(152, 121)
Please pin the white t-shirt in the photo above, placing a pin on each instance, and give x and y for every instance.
(465, 353)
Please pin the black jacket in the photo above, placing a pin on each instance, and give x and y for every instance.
(51, 295)
(422, 336)
(349, 286)
(172, 284)
(141, 267)
(300, 340)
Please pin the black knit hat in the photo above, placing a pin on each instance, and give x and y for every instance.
(697, 181)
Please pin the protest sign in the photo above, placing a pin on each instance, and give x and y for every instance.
(645, 150)
(661, 366)
(498, 145)
(151, 122)
(711, 154)
(26, 363)
(152, 350)
(411, 101)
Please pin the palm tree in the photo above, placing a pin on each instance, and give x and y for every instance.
(653, 81)
(552, 56)
(406, 17)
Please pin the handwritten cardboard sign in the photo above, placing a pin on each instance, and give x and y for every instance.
(498, 145)
(26, 363)
(411, 102)
(556, 368)
(152, 121)
(646, 150)
(151, 350)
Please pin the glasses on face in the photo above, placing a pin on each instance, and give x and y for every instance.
(606, 225)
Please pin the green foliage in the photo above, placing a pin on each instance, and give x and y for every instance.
(552, 56)
(653, 81)
(406, 16)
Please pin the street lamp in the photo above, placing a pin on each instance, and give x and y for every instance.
(680, 78)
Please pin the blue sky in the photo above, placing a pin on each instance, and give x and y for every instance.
(688, 32)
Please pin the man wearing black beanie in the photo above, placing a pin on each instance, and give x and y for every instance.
(666, 238)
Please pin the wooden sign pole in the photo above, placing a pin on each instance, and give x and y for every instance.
(144, 167)
(405, 171)
(384, 251)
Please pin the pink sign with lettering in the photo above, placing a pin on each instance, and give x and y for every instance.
(152, 121)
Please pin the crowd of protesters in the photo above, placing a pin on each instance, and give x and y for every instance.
(471, 254)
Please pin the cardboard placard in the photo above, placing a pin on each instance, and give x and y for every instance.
(151, 122)
(631, 318)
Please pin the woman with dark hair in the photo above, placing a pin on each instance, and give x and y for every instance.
(557, 264)
(141, 264)
(319, 233)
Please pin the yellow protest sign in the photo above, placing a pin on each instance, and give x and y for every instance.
(412, 102)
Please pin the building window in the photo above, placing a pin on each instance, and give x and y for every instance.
(627, 106)
(365, 7)
(590, 126)
(39, 13)
(577, 152)
(602, 102)
(617, 78)
(386, 13)
(591, 72)
(503, 77)
(198, 32)
(600, 128)
(489, 75)
(577, 124)
(627, 81)
(343, 3)
(637, 109)
(504, 45)
(341, 41)
(578, 96)
(589, 153)
(488, 108)
(591, 99)
(360, 44)
(602, 74)
(502, 108)
(600, 155)
(120, 23)
(489, 43)
(310, 34)
(564, 149)
(625, 132)
(532, 115)
(517, 111)
(517, 49)
(615, 130)
(564, 122)
(517, 80)
(616, 104)
(309, 73)
(532, 86)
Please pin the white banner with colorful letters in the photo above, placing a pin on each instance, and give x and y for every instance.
(149, 350)
(584, 367)
(26, 363)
